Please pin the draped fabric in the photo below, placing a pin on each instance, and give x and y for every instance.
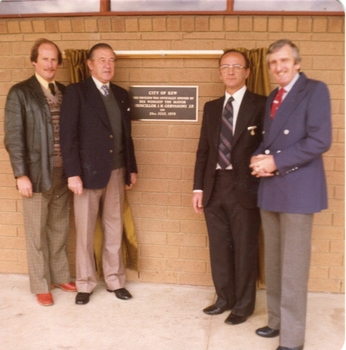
(78, 72)
(258, 80)
(259, 83)
(77, 65)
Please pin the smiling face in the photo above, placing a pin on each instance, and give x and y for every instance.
(101, 64)
(230, 72)
(282, 65)
(47, 62)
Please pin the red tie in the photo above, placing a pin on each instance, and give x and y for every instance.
(277, 102)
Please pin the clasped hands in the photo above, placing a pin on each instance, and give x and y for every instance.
(263, 165)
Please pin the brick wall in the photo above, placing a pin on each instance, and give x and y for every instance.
(173, 244)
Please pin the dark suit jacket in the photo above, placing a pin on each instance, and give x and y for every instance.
(86, 134)
(29, 134)
(250, 114)
(297, 137)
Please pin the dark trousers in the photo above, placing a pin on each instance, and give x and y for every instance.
(233, 241)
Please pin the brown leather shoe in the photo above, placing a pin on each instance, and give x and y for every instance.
(45, 299)
(67, 287)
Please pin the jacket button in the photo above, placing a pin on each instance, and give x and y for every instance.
(267, 151)
(110, 151)
(110, 136)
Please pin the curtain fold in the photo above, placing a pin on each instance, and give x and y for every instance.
(259, 83)
(77, 64)
(78, 72)
(258, 80)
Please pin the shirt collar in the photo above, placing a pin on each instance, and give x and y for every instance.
(238, 95)
(98, 83)
(289, 86)
(42, 81)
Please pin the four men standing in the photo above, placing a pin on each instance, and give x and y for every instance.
(97, 154)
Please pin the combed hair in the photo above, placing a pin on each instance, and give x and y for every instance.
(38, 43)
(277, 45)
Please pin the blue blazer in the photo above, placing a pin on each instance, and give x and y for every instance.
(297, 137)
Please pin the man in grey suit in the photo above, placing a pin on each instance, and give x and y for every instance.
(99, 161)
(225, 190)
(297, 131)
(32, 140)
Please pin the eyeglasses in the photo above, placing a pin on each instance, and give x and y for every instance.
(236, 67)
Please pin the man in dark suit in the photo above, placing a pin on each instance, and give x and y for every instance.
(225, 190)
(297, 131)
(32, 140)
(99, 162)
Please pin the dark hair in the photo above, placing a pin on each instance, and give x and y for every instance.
(247, 62)
(38, 43)
(277, 45)
(98, 46)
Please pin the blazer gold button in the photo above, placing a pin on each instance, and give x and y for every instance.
(110, 151)
(110, 136)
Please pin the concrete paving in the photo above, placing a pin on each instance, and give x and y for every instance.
(160, 317)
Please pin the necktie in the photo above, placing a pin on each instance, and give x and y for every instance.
(105, 90)
(52, 88)
(277, 102)
(226, 134)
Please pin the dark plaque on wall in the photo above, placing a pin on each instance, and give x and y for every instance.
(174, 103)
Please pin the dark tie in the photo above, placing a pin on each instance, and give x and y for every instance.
(105, 90)
(226, 135)
(277, 102)
(52, 88)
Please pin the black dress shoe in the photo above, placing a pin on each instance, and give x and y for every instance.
(215, 310)
(296, 348)
(234, 319)
(82, 298)
(121, 293)
(267, 332)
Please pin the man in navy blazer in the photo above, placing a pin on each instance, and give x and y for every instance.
(99, 159)
(227, 193)
(297, 131)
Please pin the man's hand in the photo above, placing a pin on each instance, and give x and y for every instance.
(262, 165)
(75, 184)
(133, 179)
(197, 198)
(24, 186)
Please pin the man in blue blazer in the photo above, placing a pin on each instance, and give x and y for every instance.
(227, 192)
(297, 131)
(99, 160)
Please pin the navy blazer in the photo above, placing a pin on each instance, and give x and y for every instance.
(297, 137)
(247, 137)
(86, 134)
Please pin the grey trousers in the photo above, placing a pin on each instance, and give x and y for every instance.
(287, 243)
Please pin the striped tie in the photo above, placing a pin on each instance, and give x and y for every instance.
(105, 90)
(226, 135)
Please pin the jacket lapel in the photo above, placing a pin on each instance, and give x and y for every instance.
(215, 121)
(287, 107)
(244, 116)
(37, 92)
(95, 102)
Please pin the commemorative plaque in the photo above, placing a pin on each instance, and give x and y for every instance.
(169, 103)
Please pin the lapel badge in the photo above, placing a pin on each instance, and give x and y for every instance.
(252, 128)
